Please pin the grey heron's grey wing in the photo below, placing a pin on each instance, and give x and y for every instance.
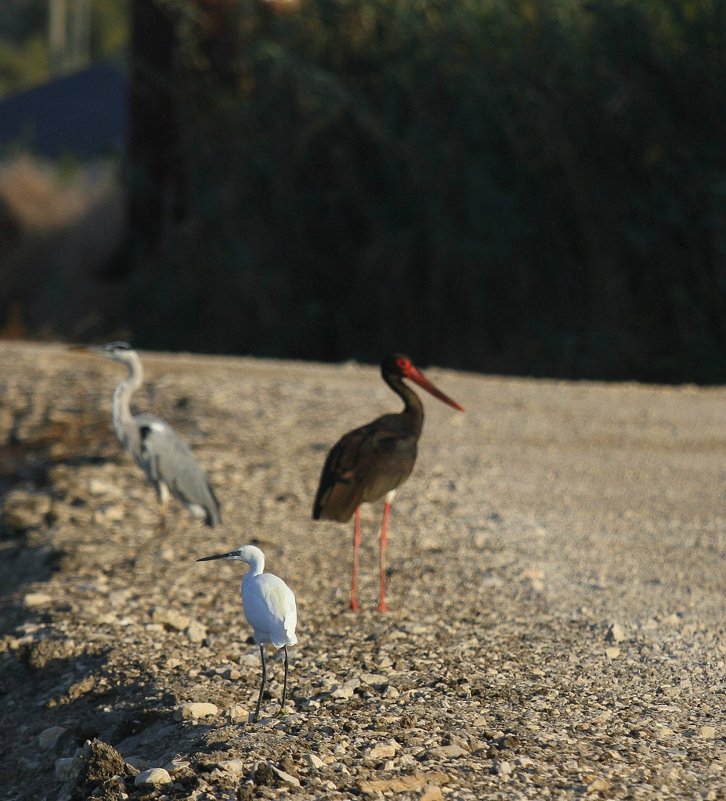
(165, 457)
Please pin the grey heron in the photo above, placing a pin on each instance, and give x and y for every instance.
(269, 606)
(159, 451)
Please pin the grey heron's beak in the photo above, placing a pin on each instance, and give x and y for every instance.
(215, 556)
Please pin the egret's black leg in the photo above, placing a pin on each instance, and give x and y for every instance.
(284, 684)
(262, 686)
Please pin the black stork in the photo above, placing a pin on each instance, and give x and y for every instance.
(372, 461)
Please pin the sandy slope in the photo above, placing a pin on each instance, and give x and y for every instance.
(532, 523)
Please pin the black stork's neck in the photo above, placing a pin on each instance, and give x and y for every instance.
(413, 408)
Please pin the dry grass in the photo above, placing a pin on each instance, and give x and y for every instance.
(58, 229)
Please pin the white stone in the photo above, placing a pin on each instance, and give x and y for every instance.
(383, 750)
(98, 487)
(196, 632)
(170, 618)
(313, 761)
(446, 752)
(707, 732)
(373, 679)
(238, 714)
(285, 777)
(153, 776)
(615, 633)
(32, 600)
(194, 711)
(232, 765)
(177, 764)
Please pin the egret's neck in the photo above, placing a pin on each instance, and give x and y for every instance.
(257, 564)
(413, 408)
(122, 418)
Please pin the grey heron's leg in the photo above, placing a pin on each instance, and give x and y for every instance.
(262, 686)
(162, 492)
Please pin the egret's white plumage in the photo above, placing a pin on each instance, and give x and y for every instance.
(269, 606)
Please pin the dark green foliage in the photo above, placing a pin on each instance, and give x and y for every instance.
(530, 186)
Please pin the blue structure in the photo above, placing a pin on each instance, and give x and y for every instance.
(83, 114)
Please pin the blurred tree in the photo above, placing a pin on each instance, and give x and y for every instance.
(174, 44)
(508, 185)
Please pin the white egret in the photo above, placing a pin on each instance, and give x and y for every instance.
(269, 606)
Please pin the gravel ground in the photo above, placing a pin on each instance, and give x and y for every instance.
(557, 591)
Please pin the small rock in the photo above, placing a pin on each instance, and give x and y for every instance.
(177, 764)
(49, 737)
(170, 619)
(605, 716)
(64, 768)
(98, 487)
(405, 783)
(707, 732)
(431, 793)
(612, 653)
(445, 752)
(153, 776)
(286, 778)
(238, 714)
(232, 765)
(267, 775)
(502, 768)
(599, 785)
(231, 673)
(32, 600)
(313, 761)
(196, 632)
(615, 633)
(374, 679)
(380, 751)
(194, 711)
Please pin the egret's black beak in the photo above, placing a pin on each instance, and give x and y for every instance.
(215, 556)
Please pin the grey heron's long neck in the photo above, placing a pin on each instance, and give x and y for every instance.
(122, 417)
(413, 408)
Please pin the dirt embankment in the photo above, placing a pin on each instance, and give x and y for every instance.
(532, 523)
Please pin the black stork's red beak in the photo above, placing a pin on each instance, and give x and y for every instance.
(419, 378)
